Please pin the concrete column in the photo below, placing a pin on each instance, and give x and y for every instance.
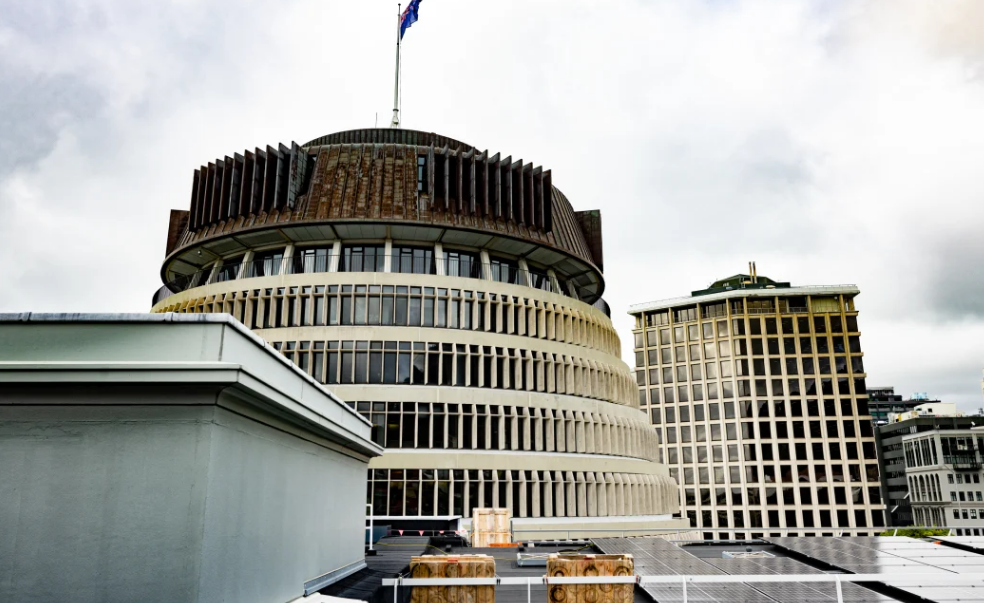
(560, 431)
(524, 273)
(336, 256)
(548, 431)
(611, 506)
(582, 495)
(286, 263)
(518, 444)
(548, 489)
(474, 430)
(619, 498)
(439, 259)
(523, 510)
(554, 283)
(559, 504)
(461, 431)
(244, 265)
(579, 439)
(496, 307)
(215, 269)
(486, 264)
(571, 494)
(488, 430)
(502, 430)
(388, 256)
(591, 493)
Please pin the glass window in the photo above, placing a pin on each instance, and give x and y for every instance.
(539, 279)
(505, 271)
(229, 269)
(266, 263)
(413, 260)
(463, 264)
(362, 258)
(422, 175)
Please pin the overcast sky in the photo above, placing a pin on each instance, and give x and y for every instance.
(832, 142)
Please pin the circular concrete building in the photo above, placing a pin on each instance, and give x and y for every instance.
(453, 298)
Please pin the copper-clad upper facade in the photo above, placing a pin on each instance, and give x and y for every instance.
(385, 176)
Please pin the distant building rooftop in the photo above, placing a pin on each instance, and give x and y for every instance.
(759, 289)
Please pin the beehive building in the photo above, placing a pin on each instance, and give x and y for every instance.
(453, 298)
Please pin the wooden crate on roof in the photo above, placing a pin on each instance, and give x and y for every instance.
(481, 540)
(452, 566)
(574, 566)
(490, 526)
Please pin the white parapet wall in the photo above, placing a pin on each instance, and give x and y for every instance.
(170, 458)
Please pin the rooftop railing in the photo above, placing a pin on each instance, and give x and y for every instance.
(965, 462)
(898, 579)
(457, 267)
(161, 294)
(662, 304)
(309, 264)
(404, 264)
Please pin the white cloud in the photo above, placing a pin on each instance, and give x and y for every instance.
(829, 141)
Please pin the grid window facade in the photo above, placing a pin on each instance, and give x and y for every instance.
(761, 411)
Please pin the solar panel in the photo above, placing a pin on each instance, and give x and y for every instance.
(929, 564)
(659, 557)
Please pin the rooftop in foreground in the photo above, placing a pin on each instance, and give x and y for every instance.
(774, 570)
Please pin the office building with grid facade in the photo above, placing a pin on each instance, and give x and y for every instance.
(756, 390)
(453, 298)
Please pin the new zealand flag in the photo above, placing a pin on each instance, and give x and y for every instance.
(409, 16)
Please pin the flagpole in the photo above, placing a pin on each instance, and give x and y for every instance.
(396, 83)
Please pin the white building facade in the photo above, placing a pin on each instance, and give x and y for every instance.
(453, 298)
(944, 473)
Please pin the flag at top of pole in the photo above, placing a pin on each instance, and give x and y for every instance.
(406, 19)
(409, 16)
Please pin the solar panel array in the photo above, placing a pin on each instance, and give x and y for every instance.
(791, 591)
(928, 564)
(659, 557)
(976, 543)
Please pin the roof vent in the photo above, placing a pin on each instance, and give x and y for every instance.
(746, 555)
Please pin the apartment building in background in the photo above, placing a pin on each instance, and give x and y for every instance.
(916, 477)
(756, 389)
(883, 403)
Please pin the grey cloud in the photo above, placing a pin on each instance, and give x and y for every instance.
(954, 280)
(770, 161)
(35, 108)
